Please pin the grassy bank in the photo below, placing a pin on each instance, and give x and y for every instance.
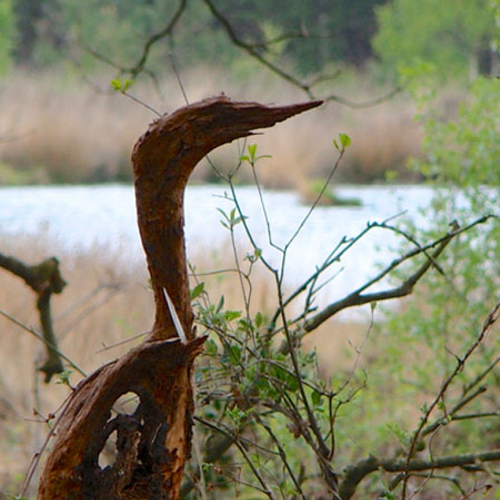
(58, 129)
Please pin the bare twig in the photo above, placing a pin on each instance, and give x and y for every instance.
(251, 50)
(44, 279)
(234, 439)
(358, 298)
(488, 323)
(42, 339)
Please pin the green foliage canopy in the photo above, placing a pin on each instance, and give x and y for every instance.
(6, 33)
(452, 34)
(323, 32)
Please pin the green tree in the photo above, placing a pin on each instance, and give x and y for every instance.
(7, 31)
(341, 30)
(424, 340)
(453, 35)
(314, 33)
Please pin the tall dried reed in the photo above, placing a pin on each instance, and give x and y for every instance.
(67, 131)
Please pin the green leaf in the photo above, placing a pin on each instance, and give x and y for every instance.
(211, 347)
(258, 319)
(244, 324)
(237, 415)
(345, 140)
(64, 378)
(252, 150)
(127, 84)
(220, 305)
(316, 398)
(121, 86)
(336, 144)
(232, 315)
(388, 496)
(116, 83)
(237, 220)
(197, 290)
(289, 380)
(234, 355)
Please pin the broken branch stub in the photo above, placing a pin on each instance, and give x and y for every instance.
(44, 279)
(154, 442)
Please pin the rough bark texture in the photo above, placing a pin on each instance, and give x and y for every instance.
(154, 441)
(44, 279)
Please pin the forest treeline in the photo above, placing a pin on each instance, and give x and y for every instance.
(308, 37)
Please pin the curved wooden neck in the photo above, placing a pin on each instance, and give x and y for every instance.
(163, 158)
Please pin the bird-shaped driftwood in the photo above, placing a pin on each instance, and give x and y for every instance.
(154, 442)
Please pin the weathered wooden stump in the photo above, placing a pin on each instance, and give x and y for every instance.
(154, 442)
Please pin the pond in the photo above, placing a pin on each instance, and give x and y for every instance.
(79, 217)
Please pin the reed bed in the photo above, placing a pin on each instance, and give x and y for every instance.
(57, 128)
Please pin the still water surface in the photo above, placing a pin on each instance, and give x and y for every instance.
(81, 216)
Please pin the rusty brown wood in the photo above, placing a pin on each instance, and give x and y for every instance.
(154, 442)
(44, 279)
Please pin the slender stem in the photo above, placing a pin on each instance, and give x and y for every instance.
(42, 339)
(489, 322)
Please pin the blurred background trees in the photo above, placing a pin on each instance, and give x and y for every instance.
(455, 36)
(348, 51)
(440, 53)
(341, 31)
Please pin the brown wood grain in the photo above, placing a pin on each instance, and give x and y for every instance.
(154, 442)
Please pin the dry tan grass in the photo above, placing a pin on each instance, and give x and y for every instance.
(90, 316)
(68, 132)
(128, 311)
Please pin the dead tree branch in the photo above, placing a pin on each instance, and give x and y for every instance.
(358, 297)
(353, 475)
(44, 279)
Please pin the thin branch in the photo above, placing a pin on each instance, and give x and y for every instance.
(450, 416)
(364, 104)
(481, 376)
(356, 473)
(166, 31)
(283, 456)
(35, 461)
(342, 247)
(358, 298)
(307, 88)
(488, 323)
(42, 339)
(112, 290)
(264, 488)
(318, 198)
(253, 52)
(141, 102)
